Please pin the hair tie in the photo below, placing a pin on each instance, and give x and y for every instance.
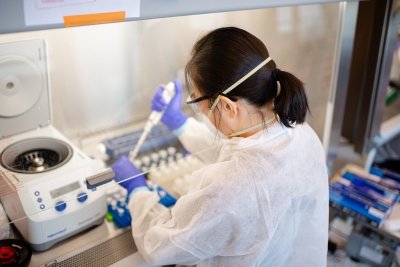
(274, 74)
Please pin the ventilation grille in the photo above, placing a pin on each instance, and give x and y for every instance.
(104, 254)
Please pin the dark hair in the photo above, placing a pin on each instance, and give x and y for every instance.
(225, 55)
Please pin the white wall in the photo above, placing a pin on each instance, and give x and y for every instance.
(104, 75)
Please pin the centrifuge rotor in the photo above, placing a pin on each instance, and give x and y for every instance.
(36, 155)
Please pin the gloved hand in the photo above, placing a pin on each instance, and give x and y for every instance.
(173, 116)
(124, 169)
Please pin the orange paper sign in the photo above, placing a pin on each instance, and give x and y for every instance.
(87, 19)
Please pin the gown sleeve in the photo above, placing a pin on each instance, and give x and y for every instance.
(193, 230)
(202, 224)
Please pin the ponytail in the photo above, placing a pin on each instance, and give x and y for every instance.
(290, 102)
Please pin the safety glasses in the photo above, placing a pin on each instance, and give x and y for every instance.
(193, 102)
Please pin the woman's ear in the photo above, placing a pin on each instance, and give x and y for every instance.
(229, 107)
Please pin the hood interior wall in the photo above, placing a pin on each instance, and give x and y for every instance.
(102, 77)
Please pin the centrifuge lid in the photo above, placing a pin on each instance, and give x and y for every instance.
(24, 90)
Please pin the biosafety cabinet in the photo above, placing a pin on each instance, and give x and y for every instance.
(364, 42)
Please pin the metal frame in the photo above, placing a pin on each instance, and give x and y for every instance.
(374, 44)
(339, 78)
(383, 78)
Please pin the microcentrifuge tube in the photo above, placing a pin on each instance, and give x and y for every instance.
(144, 169)
(171, 150)
(155, 176)
(146, 160)
(120, 211)
(170, 160)
(184, 166)
(155, 157)
(175, 170)
(153, 166)
(137, 163)
(124, 193)
(162, 163)
(166, 174)
(163, 154)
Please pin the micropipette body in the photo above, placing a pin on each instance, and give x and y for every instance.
(154, 118)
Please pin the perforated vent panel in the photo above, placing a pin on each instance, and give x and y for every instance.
(104, 254)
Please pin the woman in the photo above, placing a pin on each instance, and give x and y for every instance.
(262, 199)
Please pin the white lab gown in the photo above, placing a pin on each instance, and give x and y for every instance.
(263, 201)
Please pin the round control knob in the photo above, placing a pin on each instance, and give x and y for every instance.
(82, 197)
(60, 205)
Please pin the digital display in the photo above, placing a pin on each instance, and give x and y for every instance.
(64, 190)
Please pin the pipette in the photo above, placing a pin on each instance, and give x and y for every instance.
(154, 118)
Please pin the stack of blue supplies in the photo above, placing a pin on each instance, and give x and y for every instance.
(368, 197)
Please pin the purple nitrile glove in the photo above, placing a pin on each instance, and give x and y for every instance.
(173, 116)
(127, 175)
